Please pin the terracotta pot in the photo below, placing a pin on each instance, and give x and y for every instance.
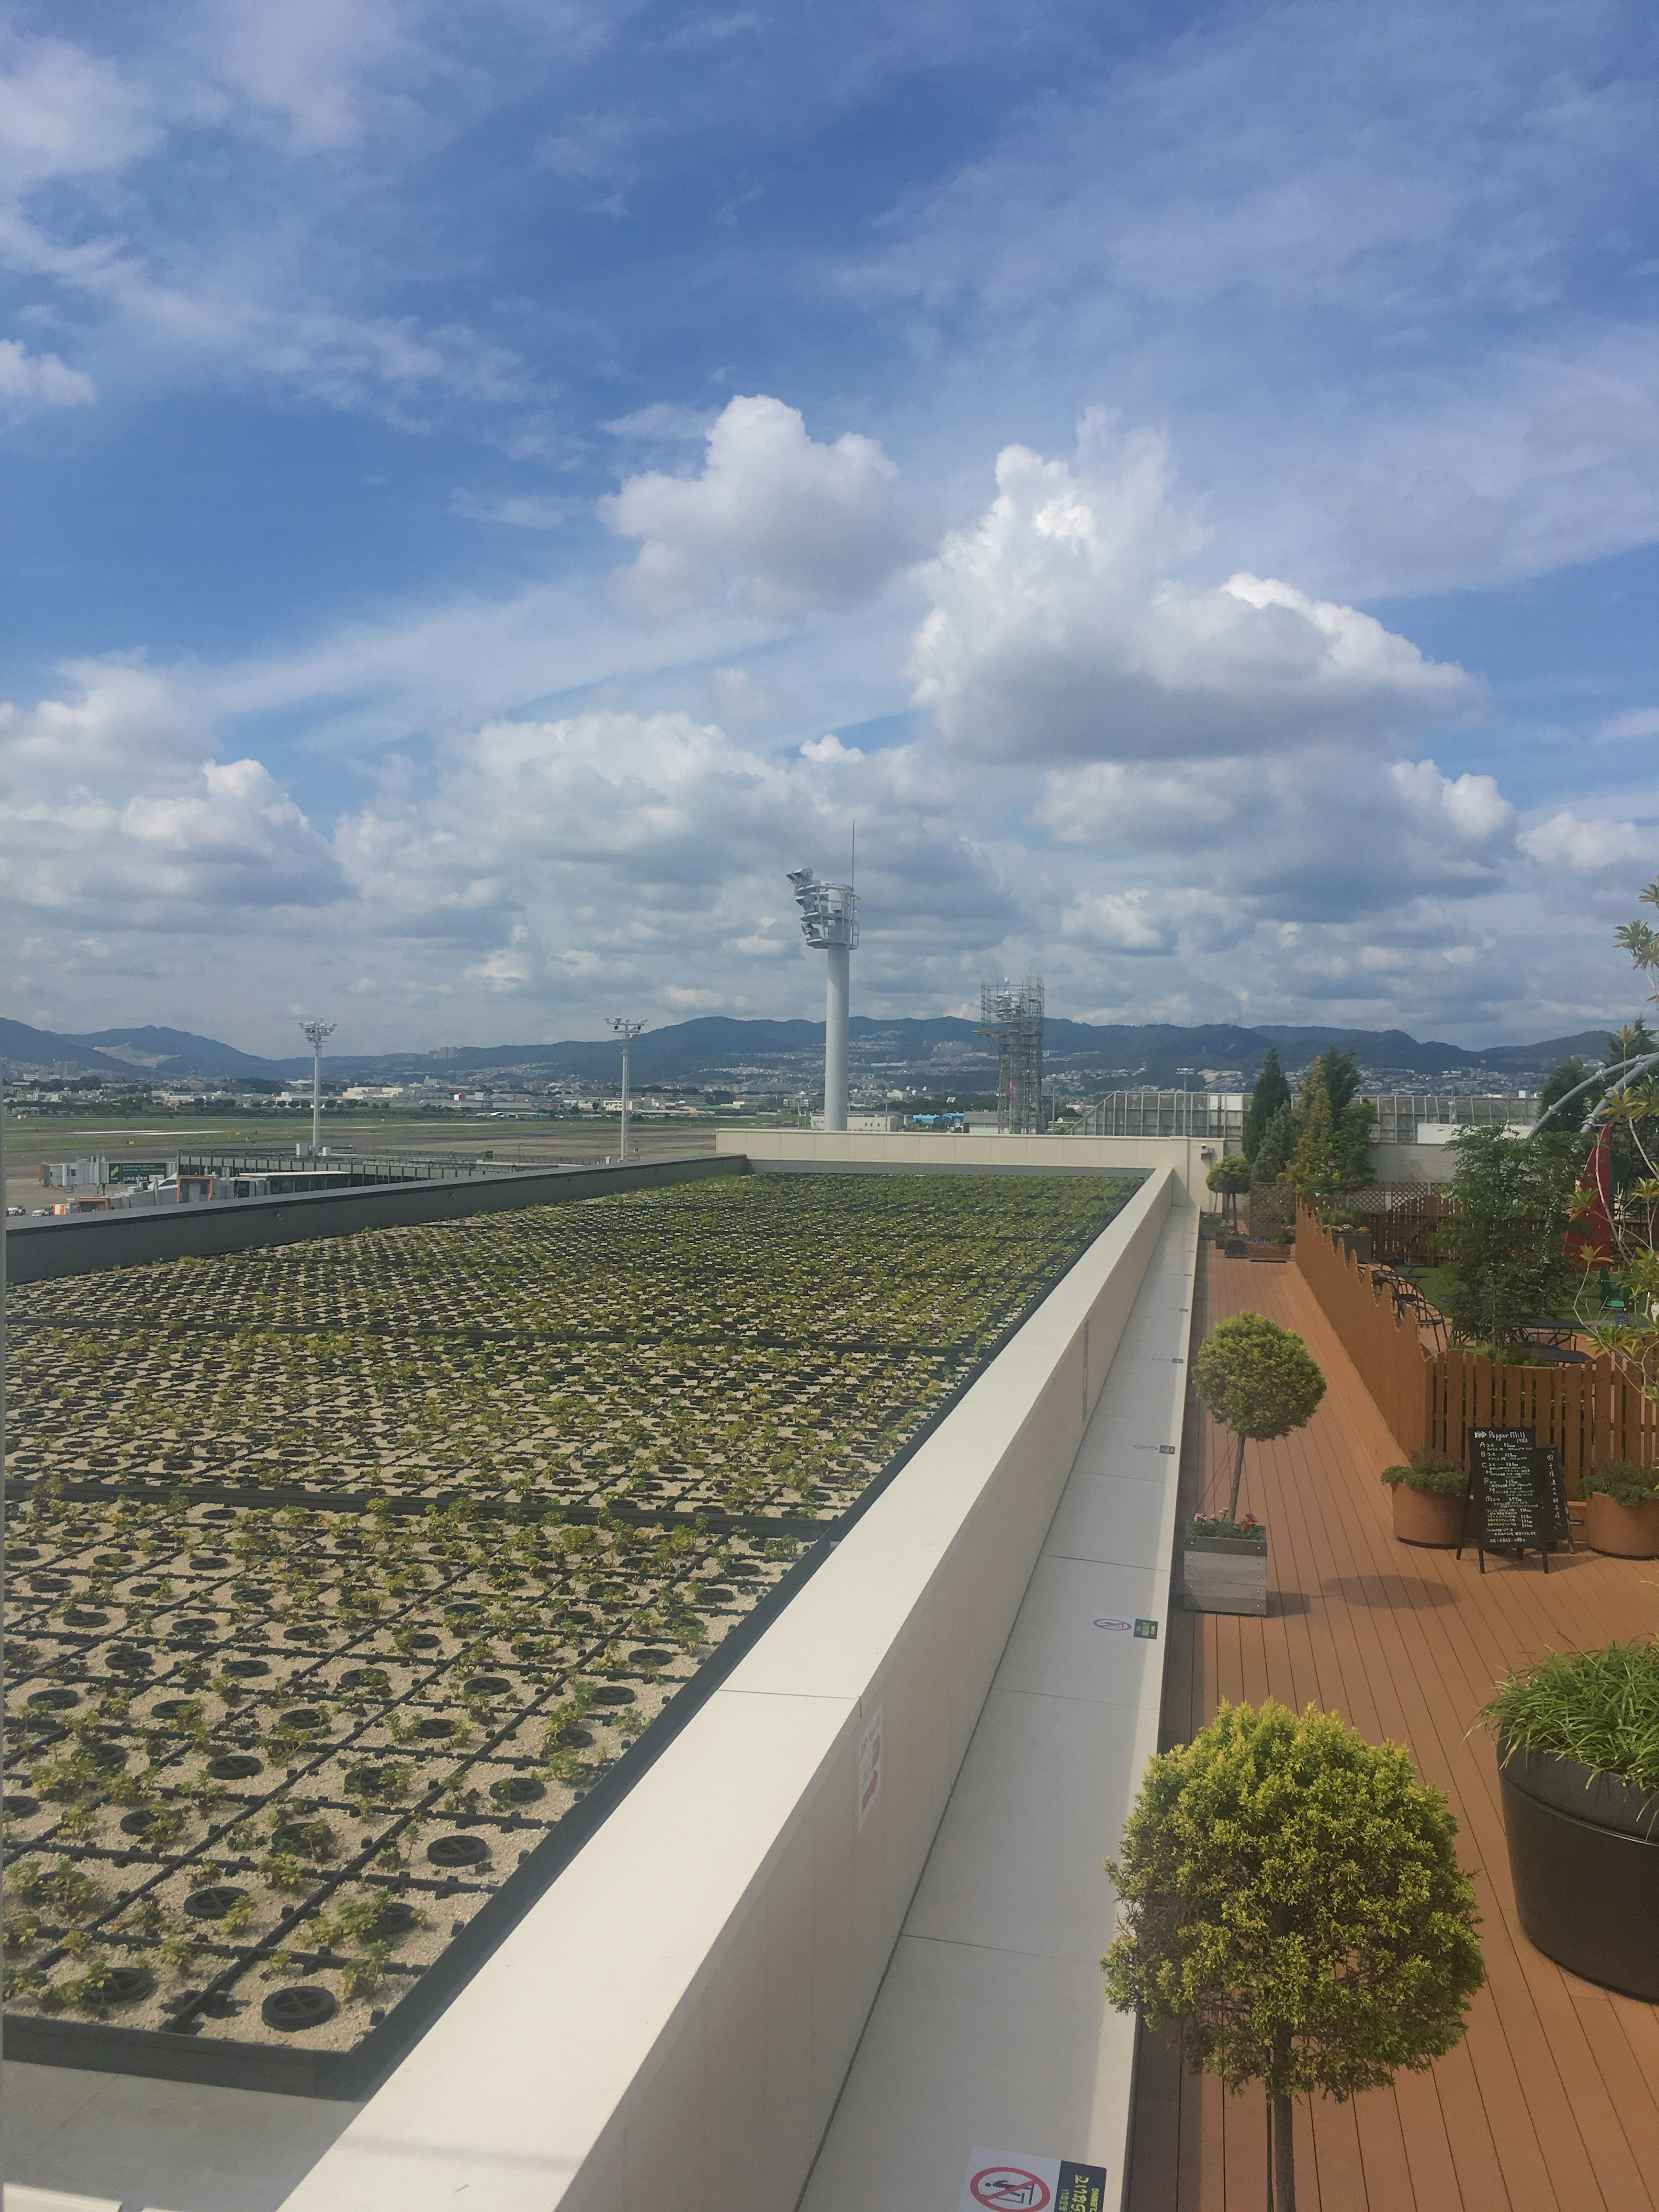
(1420, 1517)
(1626, 1532)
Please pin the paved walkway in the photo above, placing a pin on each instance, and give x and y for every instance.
(990, 2028)
(1550, 2104)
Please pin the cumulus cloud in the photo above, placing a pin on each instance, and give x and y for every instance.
(112, 818)
(1581, 847)
(1119, 921)
(647, 851)
(776, 523)
(40, 379)
(1472, 806)
(1058, 630)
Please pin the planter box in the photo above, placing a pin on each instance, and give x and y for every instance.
(1420, 1517)
(1226, 1574)
(1279, 1252)
(1624, 1532)
(1584, 1859)
(1357, 1242)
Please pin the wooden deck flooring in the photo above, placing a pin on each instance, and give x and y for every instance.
(1551, 2103)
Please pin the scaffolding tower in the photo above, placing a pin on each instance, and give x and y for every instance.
(1012, 1015)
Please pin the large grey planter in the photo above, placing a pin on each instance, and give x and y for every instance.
(1226, 1574)
(1584, 1860)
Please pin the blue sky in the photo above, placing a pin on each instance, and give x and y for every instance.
(487, 490)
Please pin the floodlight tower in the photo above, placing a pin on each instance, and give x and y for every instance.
(317, 1031)
(627, 1031)
(829, 921)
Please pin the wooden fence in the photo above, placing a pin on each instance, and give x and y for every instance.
(1386, 1348)
(1404, 1219)
(1594, 1412)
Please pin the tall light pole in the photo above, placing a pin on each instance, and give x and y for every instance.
(830, 922)
(627, 1031)
(317, 1031)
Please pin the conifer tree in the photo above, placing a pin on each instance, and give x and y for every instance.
(1272, 1092)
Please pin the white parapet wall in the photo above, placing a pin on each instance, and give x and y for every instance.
(672, 2024)
(1190, 1157)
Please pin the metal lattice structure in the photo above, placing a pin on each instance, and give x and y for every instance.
(1012, 1014)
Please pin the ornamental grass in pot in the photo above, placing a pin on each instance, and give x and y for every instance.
(1429, 1492)
(1621, 1510)
(1578, 1770)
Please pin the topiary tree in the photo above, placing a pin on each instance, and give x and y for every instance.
(1292, 1908)
(1259, 1380)
(1229, 1175)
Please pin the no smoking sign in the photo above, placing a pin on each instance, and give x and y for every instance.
(1023, 2183)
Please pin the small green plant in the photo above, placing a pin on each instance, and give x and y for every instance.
(361, 1975)
(1428, 1471)
(1601, 1708)
(1292, 1906)
(1625, 1484)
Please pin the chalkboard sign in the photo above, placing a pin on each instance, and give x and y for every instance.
(1519, 1492)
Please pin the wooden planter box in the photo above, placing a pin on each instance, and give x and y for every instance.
(1624, 1532)
(1584, 1857)
(1279, 1252)
(1420, 1517)
(1226, 1574)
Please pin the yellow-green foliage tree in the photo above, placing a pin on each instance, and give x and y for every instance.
(1258, 1380)
(1293, 1909)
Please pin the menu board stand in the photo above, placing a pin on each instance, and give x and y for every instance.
(1519, 1492)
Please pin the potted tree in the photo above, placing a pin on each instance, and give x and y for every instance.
(1257, 1380)
(1230, 1177)
(1578, 1772)
(1621, 1510)
(1430, 1492)
(1293, 1909)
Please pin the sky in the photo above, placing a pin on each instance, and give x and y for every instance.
(490, 489)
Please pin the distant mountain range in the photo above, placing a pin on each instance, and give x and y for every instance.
(942, 1051)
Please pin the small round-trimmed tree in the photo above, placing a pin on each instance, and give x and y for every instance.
(1292, 1906)
(1229, 1176)
(1258, 1380)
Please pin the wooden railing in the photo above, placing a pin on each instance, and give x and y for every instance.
(1596, 1411)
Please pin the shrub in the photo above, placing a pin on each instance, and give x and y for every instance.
(1601, 1708)
(1625, 1484)
(1428, 1471)
(1292, 1906)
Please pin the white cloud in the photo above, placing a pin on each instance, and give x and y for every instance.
(1058, 629)
(303, 63)
(112, 818)
(1638, 722)
(777, 523)
(1472, 806)
(66, 113)
(40, 380)
(1119, 921)
(1581, 847)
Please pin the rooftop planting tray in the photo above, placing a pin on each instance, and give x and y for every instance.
(351, 1582)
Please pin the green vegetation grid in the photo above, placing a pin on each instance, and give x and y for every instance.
(343, 1571)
